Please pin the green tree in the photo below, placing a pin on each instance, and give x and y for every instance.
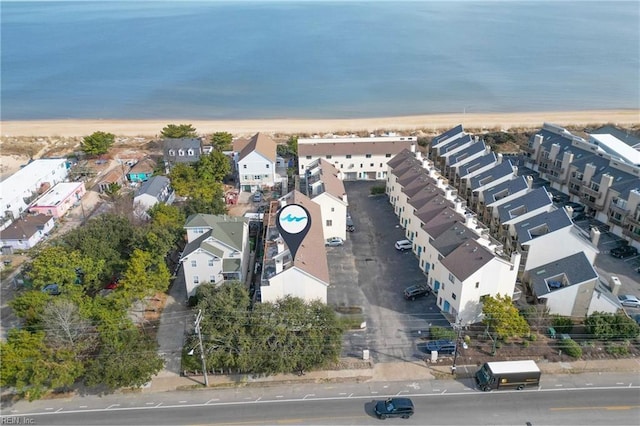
(611, 326)
(215, 205)
(127, 358)
(145, 275)
(97, 143)
(29, 306)
(184, 179)
(59, 265)
(33, 368)
(177, 131)
(222, 141)
(212, 168)
(292, 143)
(167, 216)
(503, 317)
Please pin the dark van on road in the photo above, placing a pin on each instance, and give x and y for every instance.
(394, 407)
(508, 375)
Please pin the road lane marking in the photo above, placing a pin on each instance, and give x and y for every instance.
(211, 400)
(604, 407)
(308, 395)
(401, 392)
(113, 405)
(182, 402)
(83, 406)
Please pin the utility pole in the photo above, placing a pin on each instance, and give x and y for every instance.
(204, 364)
(458, 329)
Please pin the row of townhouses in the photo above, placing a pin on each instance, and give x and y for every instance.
(478, 227)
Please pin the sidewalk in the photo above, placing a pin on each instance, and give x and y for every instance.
(384, 372)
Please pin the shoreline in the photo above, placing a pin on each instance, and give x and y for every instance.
(242, 127)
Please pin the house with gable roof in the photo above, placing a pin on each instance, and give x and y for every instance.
(325, 188)
(181, 150)
(142, 170)
(307, 275)
(217, 250)
(256, 164)
(153, 191)
(27, 231)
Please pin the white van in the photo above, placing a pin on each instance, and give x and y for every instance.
(403, 245)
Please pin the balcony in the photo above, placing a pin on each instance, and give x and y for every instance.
(629, 233)
(617, 209)
(592, 192)
(553, 178)
(633, 220)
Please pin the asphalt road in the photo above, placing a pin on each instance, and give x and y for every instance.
(370, 273)
(561, 400)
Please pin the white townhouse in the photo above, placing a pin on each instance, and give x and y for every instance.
(306, 276)
(18, 191)
(256, 164)
(217, 250)
(355, 158)
(464, 269)
(326, 189)
(549, 236)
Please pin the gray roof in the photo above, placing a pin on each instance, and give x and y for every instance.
(504, 189)
(446, 135)
(477, 163)
(564, 141)
(529, 202)
(571, 270)
(410, 162)
(195, 244)
(231, 265)
(226, 229)
(622, 135)
(153, 186)
(417, 185)
(623, 182)
(451, 239)
(474, 148)
(501, 170)
(439, 221)
(400, 158)
(411, 174)
(542, 224)
(452, 145)
(184, 144)
(466, 259)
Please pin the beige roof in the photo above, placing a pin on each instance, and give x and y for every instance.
(352, 148)
(332, 183)
(146, 165)
(239, 144)
(262, 144)
(311, 256)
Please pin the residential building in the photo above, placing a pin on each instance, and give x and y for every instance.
(566, 286)
(490, 199)
(142, 170)
(217, 250)
(256, 164)
(326, 189)
(181, 150)
(27, 231)
(112, 177)
(306, 276)
(20, 189)
(59, 199)
(355, 158)
(155, 190)
(473, 188)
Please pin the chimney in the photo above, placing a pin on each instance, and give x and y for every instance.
(419, 155)
(499, 158)
(278, 265)
(413, 147)
(555, 149)
(589, 171)
(280, 245)
(614, 285)
(595, 236)
(529, 180)
(457, 206)
(469, 221)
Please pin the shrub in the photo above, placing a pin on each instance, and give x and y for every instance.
(562, 324)
(533, 337)
(607, 326)
(441, 333)
(617, 349)
(571, 348)
(525, 343)
(467, 339)
(377, 190)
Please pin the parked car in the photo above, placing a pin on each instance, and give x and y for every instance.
(622, 252)
(403, 245)
(629, 300)
(441, 346)
(418, 290)
(394, 407)
(350, 227)
(113, 284)
(334, 242)
(257, 197)
(52, 289)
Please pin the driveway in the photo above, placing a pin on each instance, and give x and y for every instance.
(369, 272)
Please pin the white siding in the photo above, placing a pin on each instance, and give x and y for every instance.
(202, 270)
(334, 216)
(295, 283)
(256, 170)
(557, 245)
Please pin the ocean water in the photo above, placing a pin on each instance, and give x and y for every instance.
(314, 59)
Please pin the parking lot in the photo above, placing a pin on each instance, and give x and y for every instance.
(368, 272)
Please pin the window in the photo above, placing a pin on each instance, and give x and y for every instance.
(181, 152)
(210, 262)
(442, 286)
(333, 209)
(387, 155)
(212, 278)
(368, 156)
(172, 152)
(267, 166)
(244, 166)
(199, 231)
(477, 284)
(196, 279)
(348, 155)
(453, 296)
(328, 156)
(194, 263)
(360, 165)
(329, 222)
(257, 177)
(370, 164)
(308, 157)
(451, 278)
(380, 164)
(190, 152)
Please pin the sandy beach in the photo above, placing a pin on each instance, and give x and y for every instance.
(430, 123)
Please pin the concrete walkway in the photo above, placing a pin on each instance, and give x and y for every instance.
(383, 372)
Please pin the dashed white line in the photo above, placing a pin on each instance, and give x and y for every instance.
(49, 408)
(619, 383)
(558, 386)
(83, 406)
(588, 384)
(444, 391)
(342, 393)
(212, 399)
(436, 390)
(246, 398)
(374, 392)
(258, 399)
(158, 405)
(149, 403)
(113, 405)
(58, 410)
(279, 396)
(308, 395)
(350, 395)
(182, 401)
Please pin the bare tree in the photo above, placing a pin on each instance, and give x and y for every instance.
(65, 327)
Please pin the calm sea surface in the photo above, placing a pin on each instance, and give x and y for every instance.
(228, 60)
